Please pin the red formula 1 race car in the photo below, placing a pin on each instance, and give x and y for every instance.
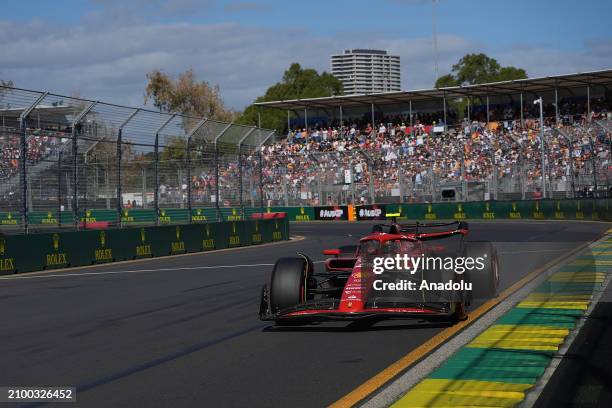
(434, 273)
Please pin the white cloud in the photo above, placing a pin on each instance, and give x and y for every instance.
(108, 61)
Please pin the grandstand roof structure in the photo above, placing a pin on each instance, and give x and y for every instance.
(515, 87)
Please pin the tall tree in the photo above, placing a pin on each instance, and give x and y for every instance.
(186, 95)
(479, 69)
(297, 82)
(475, 69)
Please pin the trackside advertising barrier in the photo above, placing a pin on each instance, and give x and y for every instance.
(331, 213)
(584, 209)
(370, 212)
(136, 216)
(25, 253)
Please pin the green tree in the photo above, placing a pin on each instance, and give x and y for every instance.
(186, 95)
(479, 69)
(446, 81)
(296, 83)
(475, 69)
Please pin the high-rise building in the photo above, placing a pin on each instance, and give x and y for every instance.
(367, 71)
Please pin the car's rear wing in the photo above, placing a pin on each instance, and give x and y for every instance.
(432, 227)
(423, 229)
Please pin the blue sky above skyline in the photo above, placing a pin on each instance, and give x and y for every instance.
(104, 48)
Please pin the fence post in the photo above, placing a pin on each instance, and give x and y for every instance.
(75, 178)
(23, 176)
(59, 189)
(218, 210)
(261, 198)
(372, 175)
(240, 168)
(156, 158)
(189, 179)
(156, 167)
(119, 198)
(119, 158)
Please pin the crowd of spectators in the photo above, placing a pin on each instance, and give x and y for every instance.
(387, 155)
(385, 159)
(40, 144)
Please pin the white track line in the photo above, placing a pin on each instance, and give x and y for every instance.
(63, 275)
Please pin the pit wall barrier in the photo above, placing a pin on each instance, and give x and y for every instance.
(585, 209)
(34, 252)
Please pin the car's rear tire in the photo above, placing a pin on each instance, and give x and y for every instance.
(288, 284)
(485, 282)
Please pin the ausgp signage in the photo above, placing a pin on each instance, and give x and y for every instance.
(371, 212)
(331, 213)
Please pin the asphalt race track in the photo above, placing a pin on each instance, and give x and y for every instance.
(184, 331)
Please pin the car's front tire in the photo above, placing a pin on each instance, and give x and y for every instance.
(288, 284)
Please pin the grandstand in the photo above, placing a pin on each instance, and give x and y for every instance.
(63, 156)
(464, 143)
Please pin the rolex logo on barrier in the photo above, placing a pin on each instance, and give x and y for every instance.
(430, 214)
(302, 216)
(276, 234)
(126, 216)
(103, 254)
(514, 214)
(488, 214)
(6, 264)
(579, 213)
(208, 242)
(49, 219)
(537, 214)
(198, 216)
(235, 216)
(234, 239)
(88, 216)
(143, 250)
(178, 245)
(9, 219)
(460, 215)
(558, 213)
(594, 214)
(163, 217)
(56, 258)
(256, 238)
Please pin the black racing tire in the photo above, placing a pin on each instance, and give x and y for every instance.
(348, 250)
(485, 282)
(288, 283)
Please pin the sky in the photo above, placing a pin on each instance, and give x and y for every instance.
(103, 49)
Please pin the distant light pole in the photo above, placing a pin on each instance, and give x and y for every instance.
(540, 102)
(435, 38)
